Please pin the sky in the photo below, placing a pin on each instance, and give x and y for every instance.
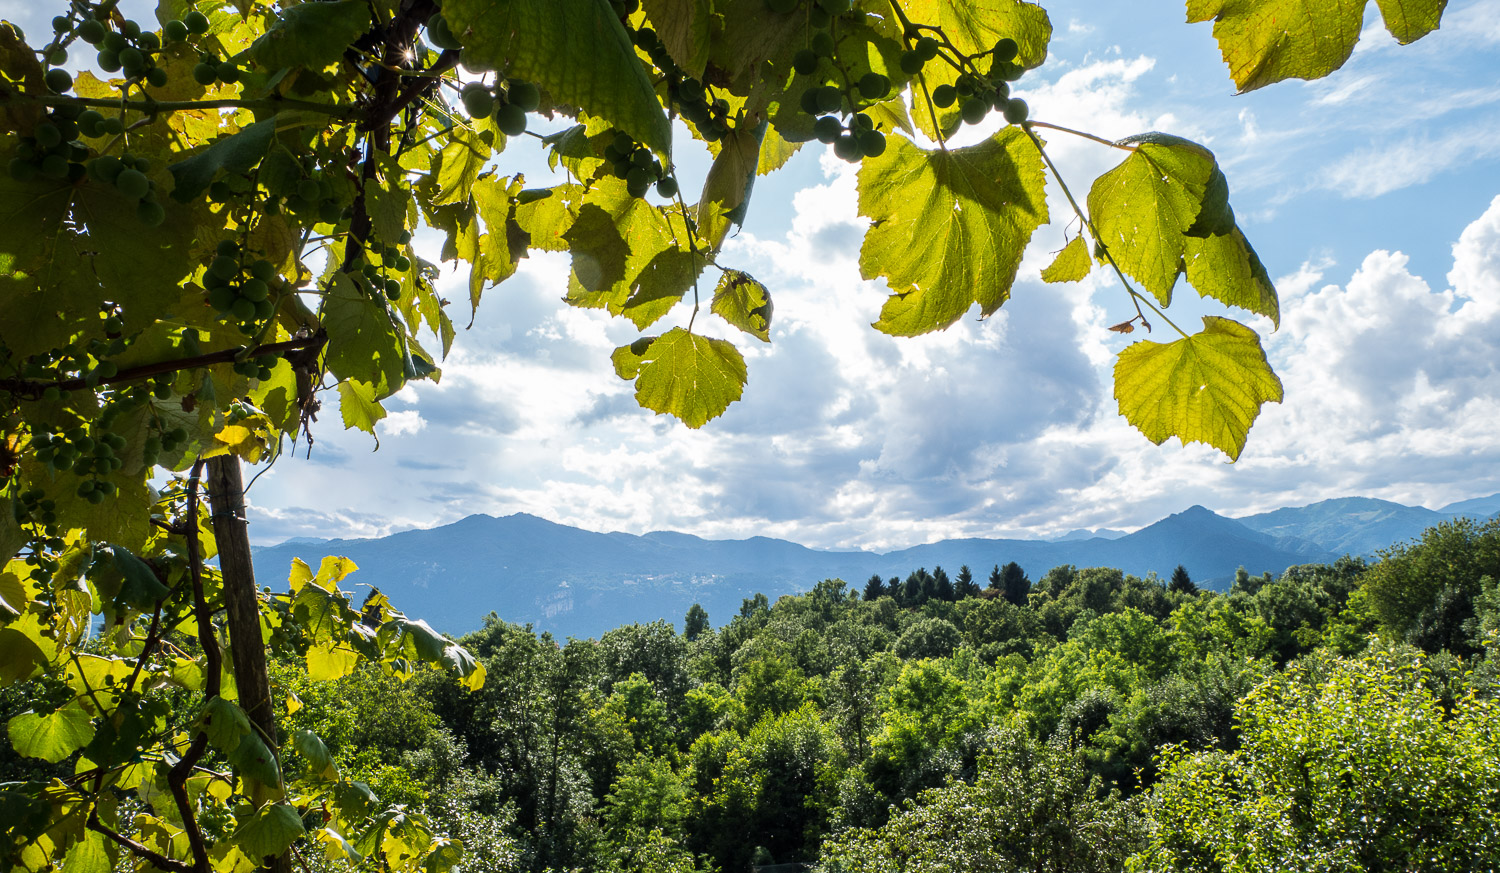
(1372, 196)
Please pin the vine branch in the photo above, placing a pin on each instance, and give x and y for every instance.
(158, 107)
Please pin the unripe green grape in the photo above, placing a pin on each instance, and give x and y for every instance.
(263, 310)
(222, 266)
(106, 168)
(818, 17)
(1002, 94)
(131, 58)
(781, 7)
(130, 29)
(830, 99)
(109, 61)
(205, 73)
(874, 86)
(263, 270)
(974, 109)
(97, 497)
(944, 96)
(61, 24)
(228, 73)
(805, 62)
(667, 187)
(861, 121)
(691, 90)
(263, 373)
(822, 44)
(227, 248)
(47, 134)
(115, 42)
(133, 184)
(809, 101)
(221, 298)
(478, 100)
(243, 309)
(113, 126)
(91, 123)
(621, 168)
(966, 85)
(645, 39)
(871, 143)
(91, 31)
(393, 288)
(68, 129)
(113, 326)
(404, 238)
(1006, 50)
(175, 31)
(156, 77)
(57, 57)
(308, 189)
(55, 167)
(440, 34)
(911, 63)
(1016, 110)
(330, 211)
(642, 157)
(926, 48)
(148, 42)
(255, 290)
(511, 119)
(713, 131)
(196, 22)
(847, 147)
(827, 129)
(524, 94)
(623, 143)
(401, 263)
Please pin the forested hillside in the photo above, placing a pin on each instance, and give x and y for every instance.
(1339, 717)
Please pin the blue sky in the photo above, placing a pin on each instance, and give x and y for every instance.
(1373, 197)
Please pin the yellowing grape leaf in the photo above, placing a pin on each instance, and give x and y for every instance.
(1071, 264)
(744, 303)
(1143, 208)
(88, 855)
(1226, 268)
(576, 50)
(1266, 41)
(358, 406)
(691, 377)
(948, 226)
(329, 661)
(1205, 388)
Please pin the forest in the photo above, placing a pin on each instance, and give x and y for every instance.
(1340, 717)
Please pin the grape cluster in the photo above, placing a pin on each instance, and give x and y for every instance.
(304, 189)
(130, 48)
(53, 150)
(240, 292)
(371, 276)
(976, 95)
(85, 455)
(710, 116)
(35, 505)
(509, 107)
(128, 174)
(633, 162)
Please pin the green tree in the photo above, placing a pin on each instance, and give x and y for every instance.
(964, 586)
(695, 623)
(1338, 770)
(942, 586)
(1425, 591)
(1013, 583)
(1181, 582)
(874, 588)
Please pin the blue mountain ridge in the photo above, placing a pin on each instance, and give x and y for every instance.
(575, 582)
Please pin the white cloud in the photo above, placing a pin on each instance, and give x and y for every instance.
(1386, 167)
(406, 421)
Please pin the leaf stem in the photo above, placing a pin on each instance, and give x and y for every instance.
(157, 107)
(130, 374)
(1135, 296)
(1098, 139)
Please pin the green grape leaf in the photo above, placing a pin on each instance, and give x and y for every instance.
(13, 596)
(1226, 268)
(362, 339)
(685, 375)
(312, 749)
(12, 537)
(311, 34)
(89, 854)
(224, 723)
(235, 153)
(1266, 41)
(576, 50)
(627, 257)
(443, 855)
(1206, 388)
(358, 405)
(747, 40)
(949, 227)
(683, 27)
(457, 166)
(140, 587)
(335, 847)
(54, 736)
(1143, 208)
(731, 178)
(24, 649)
(1071, 264)
(254, 761)
(744, 303)
(269, 831)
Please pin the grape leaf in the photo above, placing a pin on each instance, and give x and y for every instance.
(141, 589)
(731, 178)
(1206, 388)
(88, 855)
(54, 736)
(744, 303)
(362, 339)
(626, 256)
(682, 27)
(576, 50)
(1143, 208)
(224, 723)
(270, 831)
(329, 661)
(311, 34)
(24, 649)
(949, 226)
(1266, 41)
(312, 749)
(691, 377)
(1226, 268)
(1071, 264)
(234, 153)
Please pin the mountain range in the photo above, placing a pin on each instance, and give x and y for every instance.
(575, 582)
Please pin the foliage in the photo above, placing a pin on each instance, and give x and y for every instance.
(1424, 591)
